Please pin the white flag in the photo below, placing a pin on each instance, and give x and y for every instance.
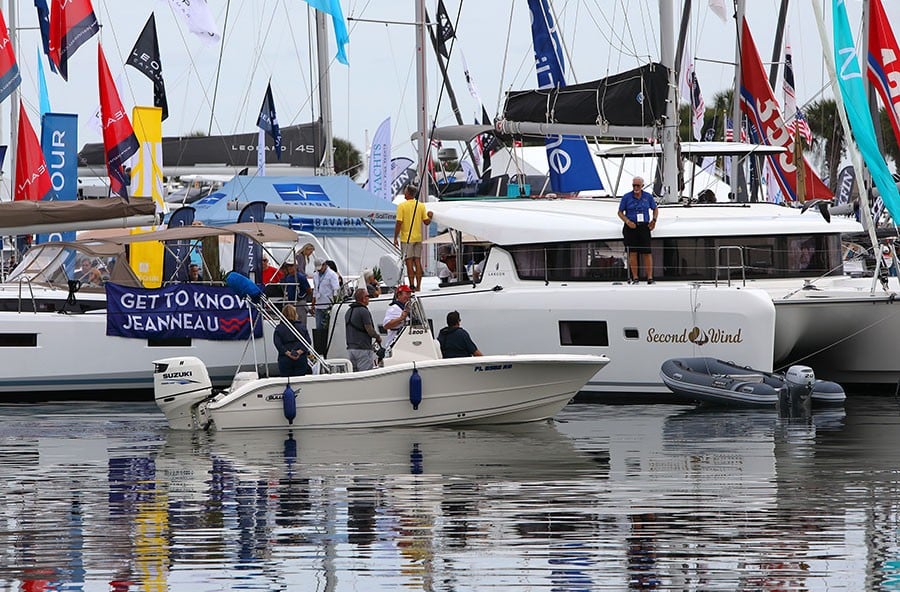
(199, 19)
(380, 162)
(718, 7)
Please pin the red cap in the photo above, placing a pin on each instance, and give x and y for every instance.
(403, 288)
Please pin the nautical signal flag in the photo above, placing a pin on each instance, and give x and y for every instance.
(119, 141)
(72, 23)
(32, 177)
(145, 57)
(10, 77)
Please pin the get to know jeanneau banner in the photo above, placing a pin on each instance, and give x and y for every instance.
(179, 311)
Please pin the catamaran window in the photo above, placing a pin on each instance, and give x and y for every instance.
(685, 259)
(575, 261)
(18, 340)
(584, 333)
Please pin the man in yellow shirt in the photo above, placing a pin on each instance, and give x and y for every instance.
(411, 214)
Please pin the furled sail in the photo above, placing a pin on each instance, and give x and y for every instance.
(627, 104)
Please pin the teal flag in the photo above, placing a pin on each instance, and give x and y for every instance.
(333, 7)
(850, 81)
(42, 86)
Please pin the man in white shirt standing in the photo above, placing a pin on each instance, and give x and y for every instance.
(327, 285)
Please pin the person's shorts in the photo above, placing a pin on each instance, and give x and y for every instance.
(637, 240)
(410, 250)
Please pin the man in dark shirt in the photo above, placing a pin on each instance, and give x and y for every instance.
(455, 341)
(360, 332)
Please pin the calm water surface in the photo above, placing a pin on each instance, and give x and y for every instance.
(102, 496)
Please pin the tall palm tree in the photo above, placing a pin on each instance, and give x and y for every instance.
(347, 159)
(825, 124)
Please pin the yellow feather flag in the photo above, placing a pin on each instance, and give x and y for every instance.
(146, 172)
(147, 181)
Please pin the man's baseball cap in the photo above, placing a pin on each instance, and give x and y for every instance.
(403, 288)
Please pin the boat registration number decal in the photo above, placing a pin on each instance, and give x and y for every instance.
(490, 367)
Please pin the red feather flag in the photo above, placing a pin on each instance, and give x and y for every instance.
(767, 126)
(32, 176)
(72, 22)
(9, 70)
(119, 141)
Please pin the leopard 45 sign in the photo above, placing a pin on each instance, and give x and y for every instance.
(179, 311)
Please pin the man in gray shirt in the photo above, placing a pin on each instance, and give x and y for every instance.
(360, 332)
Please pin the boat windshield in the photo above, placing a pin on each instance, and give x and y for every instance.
(54, 264)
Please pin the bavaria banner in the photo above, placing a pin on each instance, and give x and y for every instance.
(179, 311)
(59, 141)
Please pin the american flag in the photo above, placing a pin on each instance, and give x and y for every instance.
(729, 131)
(690, 89)
(795, 117)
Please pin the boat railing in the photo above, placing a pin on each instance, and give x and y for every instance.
(730, 258)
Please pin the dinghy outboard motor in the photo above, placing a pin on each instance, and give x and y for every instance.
(180, 385)
(795, 397)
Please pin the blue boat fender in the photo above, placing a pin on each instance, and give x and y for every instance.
(415, 389)
(289, 400)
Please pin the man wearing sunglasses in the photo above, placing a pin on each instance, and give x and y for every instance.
(638, 210)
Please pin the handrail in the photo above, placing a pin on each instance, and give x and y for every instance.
(728, 267)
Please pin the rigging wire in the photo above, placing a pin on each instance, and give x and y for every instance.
(219, 66)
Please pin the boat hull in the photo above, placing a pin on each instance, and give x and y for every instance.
(637, 327)
(459, 391)
(52, 355)
(844, 330)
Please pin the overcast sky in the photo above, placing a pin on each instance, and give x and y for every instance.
(270, 39)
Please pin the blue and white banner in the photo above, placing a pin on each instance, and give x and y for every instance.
(380, 162)
(248, 253)
(176, 256)
(59, 142)
(571, 165)
(850, 81)
(179, 311)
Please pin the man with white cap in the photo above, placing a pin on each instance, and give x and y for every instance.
(327, 285)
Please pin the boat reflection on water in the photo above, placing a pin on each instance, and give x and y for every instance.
(607, 497)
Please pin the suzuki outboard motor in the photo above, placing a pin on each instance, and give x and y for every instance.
(180, 385)
(795, 397)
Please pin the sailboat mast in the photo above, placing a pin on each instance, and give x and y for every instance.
(779, 41)
(737, 185)
(324, 92)
(422, 100)
(870, 92)
(669, 193)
